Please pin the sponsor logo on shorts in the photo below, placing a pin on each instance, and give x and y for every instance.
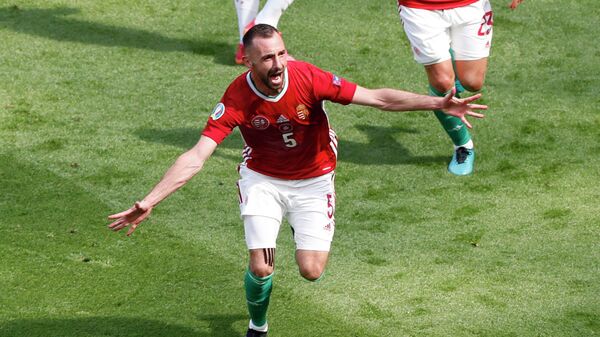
(218, 111)
(260, 122)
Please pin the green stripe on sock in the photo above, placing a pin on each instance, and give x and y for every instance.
(258, 292)
(453, 126)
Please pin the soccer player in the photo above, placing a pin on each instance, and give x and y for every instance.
(247, 17)
(289, 157)
(452, 39)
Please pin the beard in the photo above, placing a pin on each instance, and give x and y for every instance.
(273, 79)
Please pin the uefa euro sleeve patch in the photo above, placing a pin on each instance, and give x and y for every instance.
(218, 111)
(337, 81)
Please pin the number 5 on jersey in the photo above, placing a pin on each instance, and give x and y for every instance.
(288, 139)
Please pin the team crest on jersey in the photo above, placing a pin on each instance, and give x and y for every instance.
(337, 81)
(285, 127)
(260, 122)
(218, 111)
(302, 111)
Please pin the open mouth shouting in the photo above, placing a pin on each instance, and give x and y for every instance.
(275, 79)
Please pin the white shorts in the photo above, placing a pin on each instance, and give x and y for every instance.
(308, 205)
(467, 30)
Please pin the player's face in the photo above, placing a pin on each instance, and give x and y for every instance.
(267, 59)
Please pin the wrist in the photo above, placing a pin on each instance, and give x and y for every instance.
(143, 205)
(439, 103)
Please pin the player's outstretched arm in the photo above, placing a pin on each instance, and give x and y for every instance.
(184, 168)
(398, 100)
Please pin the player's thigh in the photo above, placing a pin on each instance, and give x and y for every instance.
(261, 237)
(261, 208)
(428, 33)
(259, 195)
(471, 31)
(261, 231)
(312, 215)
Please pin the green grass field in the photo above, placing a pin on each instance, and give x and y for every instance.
(98, 98)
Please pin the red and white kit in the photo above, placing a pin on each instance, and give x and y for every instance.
(286, 136)
(289, 155)
(435, 26)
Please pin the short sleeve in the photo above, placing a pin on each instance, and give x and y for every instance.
(221, 122)
(328, 86)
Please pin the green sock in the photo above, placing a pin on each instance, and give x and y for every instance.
(258, 292)
(454, 127)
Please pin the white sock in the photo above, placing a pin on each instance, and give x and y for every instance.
(468, 145)
(272, 11)
(263, 328)
(246, 12)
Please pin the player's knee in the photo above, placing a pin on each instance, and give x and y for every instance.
(311, 273)
(472, 82)
(312, 276)
(473, 86)
(261, 270)
(442, 82)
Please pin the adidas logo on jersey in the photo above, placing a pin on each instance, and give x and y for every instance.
(282, 119)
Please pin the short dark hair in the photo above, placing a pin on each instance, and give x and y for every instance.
(261, 30)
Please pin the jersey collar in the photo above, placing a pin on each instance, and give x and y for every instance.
(265, 97)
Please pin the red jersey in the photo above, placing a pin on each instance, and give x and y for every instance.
(435, 4)
(286, 136)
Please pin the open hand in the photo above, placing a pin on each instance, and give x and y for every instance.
(132, 216)
(462, 107)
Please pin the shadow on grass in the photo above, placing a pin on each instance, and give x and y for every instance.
(186, 138)
(48, 220)
(219, 326)
(381, 148)
(56, 25)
